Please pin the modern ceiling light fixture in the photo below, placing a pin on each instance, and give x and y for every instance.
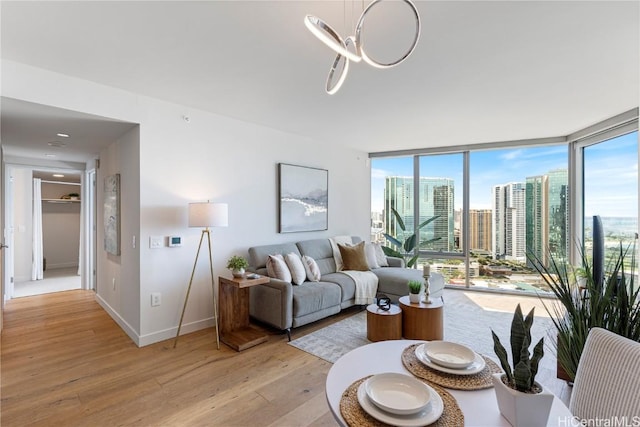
(330, 37)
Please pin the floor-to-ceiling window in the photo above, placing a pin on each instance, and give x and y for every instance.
(610, 191)
(479, 215)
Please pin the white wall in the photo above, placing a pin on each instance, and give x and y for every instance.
(211, 157)
(23, 224)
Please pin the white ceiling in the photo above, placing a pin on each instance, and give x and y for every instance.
(483, 71)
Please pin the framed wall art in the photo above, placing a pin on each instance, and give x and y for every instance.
(303, 194)
(112, 214)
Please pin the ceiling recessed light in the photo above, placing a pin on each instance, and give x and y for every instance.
(57, 144)
(58, 175)
(62, 135)
(49, 155)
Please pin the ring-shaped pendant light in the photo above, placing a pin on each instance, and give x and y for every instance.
(331, 87)
(329, 36)
(360, 47)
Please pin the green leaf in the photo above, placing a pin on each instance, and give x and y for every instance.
(538, 352)
(412, 261)
(409, 244)
(430, 220)
(391, 252)
(501, 352)
(518, 334)
(398, 219)
(393, 240)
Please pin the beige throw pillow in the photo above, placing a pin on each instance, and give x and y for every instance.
(370, 253)
(296, 268)
(353, 257)
(312, 269)
(277, 268)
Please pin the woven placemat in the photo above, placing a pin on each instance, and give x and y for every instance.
(354, 415)
(478, 381)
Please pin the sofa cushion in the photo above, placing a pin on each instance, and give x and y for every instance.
(277, 268)
(314, 296)
(320, 251)
(258, 254)
(311, 268)
(353, 257)
(393, 280)
(345, 282)
(298, 272)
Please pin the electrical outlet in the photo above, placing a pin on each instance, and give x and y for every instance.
(156, 299)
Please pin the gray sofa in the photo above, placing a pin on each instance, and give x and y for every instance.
(285, 306)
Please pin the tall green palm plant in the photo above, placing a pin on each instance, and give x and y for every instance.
(408, 246)
(614, 305)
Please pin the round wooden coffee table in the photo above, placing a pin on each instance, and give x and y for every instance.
(422, 321)
(384, 325)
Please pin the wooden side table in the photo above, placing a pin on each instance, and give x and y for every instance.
(422, 321)
(235, 330)
(384, 325)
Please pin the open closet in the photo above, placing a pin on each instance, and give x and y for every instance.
(52, 248)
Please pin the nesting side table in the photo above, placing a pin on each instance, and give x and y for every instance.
(384, 325)
(422, 321)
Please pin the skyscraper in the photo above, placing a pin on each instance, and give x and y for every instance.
(508, 223)
(436, 197)
(548, 215)
(480, 229)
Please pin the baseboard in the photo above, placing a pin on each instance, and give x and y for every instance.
(154, 337)
(170, 333)
(119, 320)
(62, 265)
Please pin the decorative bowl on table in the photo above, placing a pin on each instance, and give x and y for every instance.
(397, 393)
(449, 354)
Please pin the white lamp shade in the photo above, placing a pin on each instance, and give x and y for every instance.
(206, 214)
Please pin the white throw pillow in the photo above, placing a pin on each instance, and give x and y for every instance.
(381, 258)
(312, 269)
(277, 268)
(296, 268)
(370, 253)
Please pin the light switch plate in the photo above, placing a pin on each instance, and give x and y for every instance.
(156, 242)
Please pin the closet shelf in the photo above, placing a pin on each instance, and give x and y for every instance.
(61, 200)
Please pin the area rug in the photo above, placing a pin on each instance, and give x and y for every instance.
(465, 322)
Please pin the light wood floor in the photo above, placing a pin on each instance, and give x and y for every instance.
(64, 362)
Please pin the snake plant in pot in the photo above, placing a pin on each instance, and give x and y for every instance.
(521, 400)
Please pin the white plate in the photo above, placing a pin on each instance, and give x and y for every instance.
(477, 365)
(397, 393)
(449, 354)
(430, 414)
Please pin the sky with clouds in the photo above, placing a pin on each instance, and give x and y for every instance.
(611, 173)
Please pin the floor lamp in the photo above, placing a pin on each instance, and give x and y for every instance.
(205, 214)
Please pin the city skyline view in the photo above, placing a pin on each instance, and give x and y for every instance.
(605, 163)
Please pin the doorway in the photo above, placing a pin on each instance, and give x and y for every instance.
(56, 221)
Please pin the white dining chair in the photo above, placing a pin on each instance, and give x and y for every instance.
(607, 383)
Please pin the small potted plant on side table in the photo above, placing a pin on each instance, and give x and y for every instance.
(237, 264)
(414, 291)
(521, 400)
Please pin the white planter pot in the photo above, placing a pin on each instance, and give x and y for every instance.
(414, 298)
(238, 273)
(522, 409)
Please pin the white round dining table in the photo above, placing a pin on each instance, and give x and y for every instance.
(479, 407)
